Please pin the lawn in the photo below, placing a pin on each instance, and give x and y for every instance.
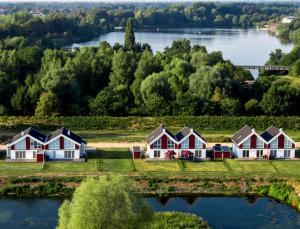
(18, 169)
(156, 166)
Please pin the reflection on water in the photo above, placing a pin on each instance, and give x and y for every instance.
(234, 212)
(219, 212)
(242, 47)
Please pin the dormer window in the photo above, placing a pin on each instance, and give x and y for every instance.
(185, 144)
(35, 144)
(274, 144)
(246, 144)
(157, 144)
(171, 144)
(287, 143)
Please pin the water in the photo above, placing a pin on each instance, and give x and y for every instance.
(242, 47)
(219, 212)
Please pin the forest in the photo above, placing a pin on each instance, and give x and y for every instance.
(128, 79)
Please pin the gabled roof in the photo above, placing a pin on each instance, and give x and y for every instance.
(67, 133)
(31, 132)
(239, 136)
(186, 131)
(157, 132)
(270, 133)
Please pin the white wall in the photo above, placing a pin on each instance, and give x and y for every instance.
(60, 154)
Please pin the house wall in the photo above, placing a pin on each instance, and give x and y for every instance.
(28, 154)
(60, 154)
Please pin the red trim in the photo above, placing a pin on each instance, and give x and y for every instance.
(12, 147)
(27, 143)
(164, 141)
(76, 146)
(192, 141)
(61, 143)
(281, 141)
(293, 145)
(204, 146)
(253, 141)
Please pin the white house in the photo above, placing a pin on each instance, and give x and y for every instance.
(161, 143)
(273, 143)
(32, 146)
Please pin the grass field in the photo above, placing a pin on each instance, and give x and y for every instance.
(120, 161)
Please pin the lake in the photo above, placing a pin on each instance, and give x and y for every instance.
(242, 47)
(219, 212)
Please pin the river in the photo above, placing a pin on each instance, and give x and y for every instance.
(219, 212)
(242, 47)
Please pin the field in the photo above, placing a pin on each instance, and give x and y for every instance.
(95, 136)
(119, 161)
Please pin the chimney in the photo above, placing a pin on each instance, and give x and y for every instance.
(253, 130)
(192, 130)
(69, 133)
(280, 130)
(22, 133)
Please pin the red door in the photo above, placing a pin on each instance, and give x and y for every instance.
(40, 157)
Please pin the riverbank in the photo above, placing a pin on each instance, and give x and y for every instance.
(283, 189)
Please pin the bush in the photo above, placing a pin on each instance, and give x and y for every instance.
(177, 220)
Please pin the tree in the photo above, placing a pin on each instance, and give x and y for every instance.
(252, 107)
(129, 43)
(281, 99)
(157, 94)
(20, 101)
(48, 105)
(105, 203)
(230, 106)
(295, 70)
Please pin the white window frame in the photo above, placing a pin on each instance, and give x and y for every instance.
(157, 144)
(185, 144)
(69, 154)
(246, 144)
(34, 154)
(156, 154)
(274, 144)
(273, 153)
(259, 153)
(68, 144)
(287, 143)
(171, 144)
(198, 144)
(198, 153)
(20, 154)
(54, 154)
(55, 144)
(20, 145)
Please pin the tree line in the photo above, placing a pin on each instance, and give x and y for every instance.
(61, 27)
(129, 79)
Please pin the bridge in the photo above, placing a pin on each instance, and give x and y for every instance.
(265, 67)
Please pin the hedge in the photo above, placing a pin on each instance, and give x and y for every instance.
(147, 123)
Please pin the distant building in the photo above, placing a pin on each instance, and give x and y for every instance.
(5, 10)
(288, 19)
(162, 144)
(32, 146)
(272, 143)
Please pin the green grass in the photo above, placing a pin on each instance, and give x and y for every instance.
(156, 166)
(116, 165)
(18, 169)
(206, 166)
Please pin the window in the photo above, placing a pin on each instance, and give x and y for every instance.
(287, 144)
(34, 154)
(53, 154)
(259, 153)
(246, 144)
(287, 153)
(156, 153)
(8, 154)
(274, 144)
(198, 143)
(54, 145)
(68, 144)
(35, 145)
(157, 144)
(259, 143)
(170, 144)
(185, 144)
(20, 154)
(21, 144)
(245, 153)
(273, 153)
(198, 153)
(69, 154)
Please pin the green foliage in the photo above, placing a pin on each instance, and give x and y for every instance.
(181, 165)
(129, 43)
(107, 202)
(177, 220)
(252, 107)
(48, 105)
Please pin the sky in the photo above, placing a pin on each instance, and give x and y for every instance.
(12, 1)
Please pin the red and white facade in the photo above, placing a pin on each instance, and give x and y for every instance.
(160, 142)
(273, 143)
(32, 146)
